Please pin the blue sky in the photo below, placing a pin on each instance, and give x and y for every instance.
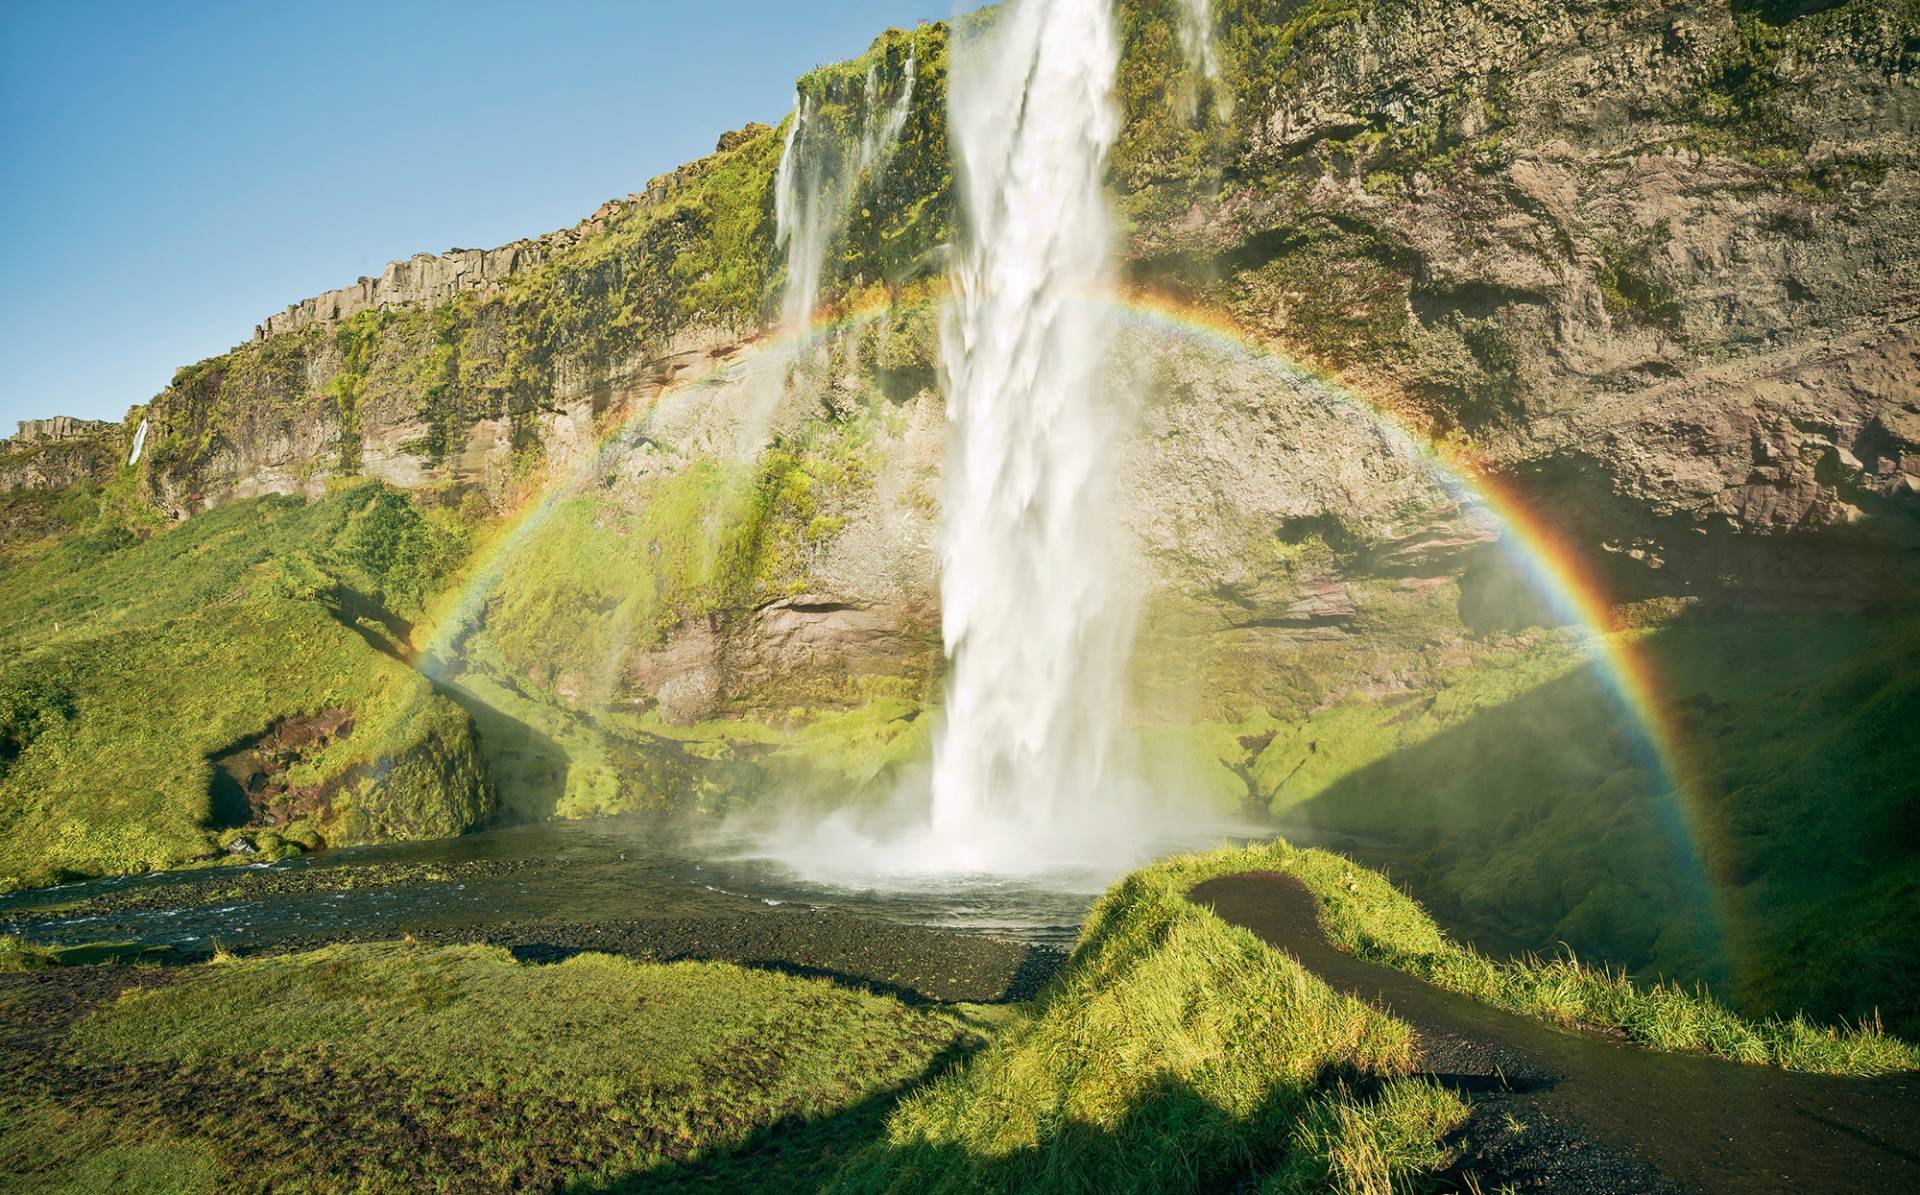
(171, 172)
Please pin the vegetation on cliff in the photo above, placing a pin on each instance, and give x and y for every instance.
(1296, 189)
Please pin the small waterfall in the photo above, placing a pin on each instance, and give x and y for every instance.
(1029, 768)
(1202, 58)
(796, 224)
(827, 153)
(1196, 38)
(139, 442)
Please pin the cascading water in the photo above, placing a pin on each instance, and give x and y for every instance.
(1195, 29)
(1034, 787)
(821, 164)
(1029, 766)
(1196, 37)
(835, 143)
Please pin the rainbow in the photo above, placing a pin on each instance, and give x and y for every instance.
(448, 622)
(1558, 569)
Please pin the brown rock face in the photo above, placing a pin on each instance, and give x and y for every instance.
(250, 785)
(1655, 261)
(52, 454)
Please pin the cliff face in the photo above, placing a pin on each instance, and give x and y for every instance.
(428, 280)
(1656, 260)
(60, 453)
(1652, 263)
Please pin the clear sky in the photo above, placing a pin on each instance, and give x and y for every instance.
(171, 172)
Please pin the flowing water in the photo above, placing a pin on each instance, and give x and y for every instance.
(1030, 768)
(1196, 37)
(605, 870)
(822, 163)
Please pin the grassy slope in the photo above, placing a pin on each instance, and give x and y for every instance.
(125, 665)
(1175, 1052)
(386, 1067)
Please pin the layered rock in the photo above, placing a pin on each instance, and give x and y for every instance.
(431, 279)
(54, 454)
(59, 428)
(1655, 261)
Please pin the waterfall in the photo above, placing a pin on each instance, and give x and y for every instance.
(1196, 37)
(825, 156)
(139, 442)
(797, 225)
(1029, 767)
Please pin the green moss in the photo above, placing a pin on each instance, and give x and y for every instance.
(874, 740)
(1310, 756)
(460, 1061)
(1630, 285)
(357, 340)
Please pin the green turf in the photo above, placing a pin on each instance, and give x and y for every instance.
(1365, 913)
(396, 1067)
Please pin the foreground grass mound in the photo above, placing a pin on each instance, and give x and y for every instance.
(1364, 913)
(1174, 1053)
(396, 1067)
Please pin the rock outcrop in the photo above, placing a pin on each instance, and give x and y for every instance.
(60, 428)
(56, 453)
(431, 279)
(1654, 261)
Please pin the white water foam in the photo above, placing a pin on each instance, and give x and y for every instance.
(1196, 37)
(1034, 777)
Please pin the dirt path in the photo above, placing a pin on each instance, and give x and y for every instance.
(1566, 1112)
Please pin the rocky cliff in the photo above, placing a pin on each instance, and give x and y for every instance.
(61, 453)
(428, 280)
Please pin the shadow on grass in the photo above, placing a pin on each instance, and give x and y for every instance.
(1784, 871)
(1036, 966)
(795, 1153)
(1152, 1148)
